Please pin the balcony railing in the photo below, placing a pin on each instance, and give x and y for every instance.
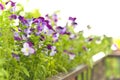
(84, 72)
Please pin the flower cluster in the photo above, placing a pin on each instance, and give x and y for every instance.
(39, 27)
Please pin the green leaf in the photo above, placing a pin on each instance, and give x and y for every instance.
(3, 73)
(62, 68)
(25, 71)
(36, 13)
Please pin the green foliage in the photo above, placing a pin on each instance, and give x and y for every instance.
(112, 67)
(35, 13)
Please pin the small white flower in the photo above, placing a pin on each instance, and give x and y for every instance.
(27, 50)
(53, 51)
(72, 36)
(114, 47)
(71, 56)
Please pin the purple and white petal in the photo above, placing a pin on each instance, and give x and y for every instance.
(71, 56)
(25, 45)
(11, 3)
(27, 50)
(31, 50)
(52, 53)
(1, 7)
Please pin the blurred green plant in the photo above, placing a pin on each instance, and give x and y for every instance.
(112, 68)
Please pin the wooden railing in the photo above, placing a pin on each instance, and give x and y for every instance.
(83, 72)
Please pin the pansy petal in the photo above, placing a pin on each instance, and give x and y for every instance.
(1, 7)
(25, 45)
(16, 56)
(31, 50)
(71, 56)
(52, 53)
(72, 18)
(13, 16)
(11, 3)
(49, 47)
(26, 53)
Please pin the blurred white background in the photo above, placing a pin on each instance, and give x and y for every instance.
(102, 15)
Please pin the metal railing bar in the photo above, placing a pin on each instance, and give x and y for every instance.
(84, 71)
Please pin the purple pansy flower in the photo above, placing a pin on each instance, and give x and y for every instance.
(114, 47)
(29, 22)
(55, 37)
(38, 20)
(35, 21)
(42, 37)
(74, 23)
(27, 49)
(52, 18)
(49, 26)
(53, 51)
(71, 55)
(49, 47)
(27, 31)
(55, 17)
(41, 18)
(89, 39)
(46, 23)
(13, 16)
(17, 36)
(72, 19)
(68, 33)
(11, 3)
(43, 25)
(24, 37)
(38, 33)
(47, 30)
(23, 20)
(30, 43)
(52, 48)
(39, 28)
(85, 48)
(16, 56)
(61, 30)
(1, 7)
(47, 17)
(72, 36)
